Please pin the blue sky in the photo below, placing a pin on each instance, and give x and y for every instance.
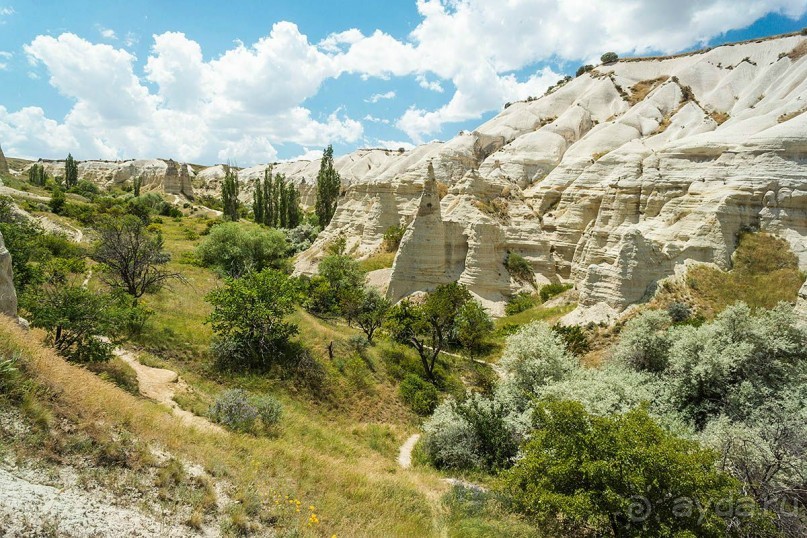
(253, 81)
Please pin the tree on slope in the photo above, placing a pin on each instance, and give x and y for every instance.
(229, 194)
(328, 186)
(70, 171)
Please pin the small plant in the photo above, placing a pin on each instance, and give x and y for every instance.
(609, 57)
(270, 411)
(392, 238)
(551, 290)
(419, 395)
(519, 268)
(519, 303)
(679, 312)
(574, 337)
(234, 410)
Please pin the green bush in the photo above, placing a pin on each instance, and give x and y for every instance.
(625, 476)
(519, 303)
(421, 396)
(235, 249)
(234, 410)
(57, 200)
(551, 290)
(609, 57)
(392, 238)
(519, 268)
(472, 326)
(679, 312)
(85, 188)
(644, 343)
(574, 337)
(270, 411)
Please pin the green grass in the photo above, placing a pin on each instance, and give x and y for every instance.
(381, 260)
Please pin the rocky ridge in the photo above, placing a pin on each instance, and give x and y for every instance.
(610, 181)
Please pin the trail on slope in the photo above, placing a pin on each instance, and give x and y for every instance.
(160, 385)
(405, 453)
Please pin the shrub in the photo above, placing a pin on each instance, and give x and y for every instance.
(302, 237)
(472, 326)
(679, 312)
(583, 69)
(574, 337)
(270, 411)
(57, 200)
(85, 188)
(392, 238)
(519, 303)
(551, 290)
(421, 396)
(609, 57)
(448, 439)
(338, 288)
(644, 343)
(235, 249)
(234, 410)
(519, 268)
(623, 476)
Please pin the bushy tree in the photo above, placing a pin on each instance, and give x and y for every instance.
(372, 312)
(37, 175)
(57, 200)
(70, 172)
(644, 343)
(427, 327)
(329, 185)
(248, 320)
(418, 394)
(234, 249)
(338, 287)
(302, 237)
(276, 203)
(75, 320)
(625, 476)
(609, 57)
(229, 194)
(472, 326)
(132, 256)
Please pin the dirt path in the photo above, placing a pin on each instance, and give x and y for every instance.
(160, 385)
(405, 453)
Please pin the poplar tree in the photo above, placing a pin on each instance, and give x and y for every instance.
(268, 198)
(70, 171)
(258, 205)
(229, 194)
(328, 186)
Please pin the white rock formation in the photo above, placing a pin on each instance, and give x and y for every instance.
(3, 163)
(8, 295)
(155, 174)
(610, 182)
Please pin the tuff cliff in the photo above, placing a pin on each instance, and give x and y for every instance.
(3, 163)
(609, 181)
(8, 295)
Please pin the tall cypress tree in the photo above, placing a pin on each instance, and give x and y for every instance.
(229, 194)
(268, 198)
(258, 206)
(293, 205)
(70, 171)
(328, 186)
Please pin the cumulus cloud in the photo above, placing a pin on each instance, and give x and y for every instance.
(249, 100)
(107, 33)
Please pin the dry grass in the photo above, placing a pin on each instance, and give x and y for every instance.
(719, 117)
(799, 51)
(789, 116)
(380, 260)
(640, 90)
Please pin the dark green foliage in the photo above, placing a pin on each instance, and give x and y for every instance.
(421, 396)
(471, 327)
(583, 69)
(329, 186)
(519, 268)
(74, 319)
(427, 327)
(85, 188)
(37, 175)
(258, 204)
(229, 194)
(492, 437)
(70, 172)
(276, 203)
(248, 320)
(624, 476)
(338, 287)
(372, 312)
(519, 303)
(392, 238)
(679, 312)
(132, 256)
(551, 290)
(609, 57)
(57, 200)
(235, 249)
(136, 184)
(574, 337)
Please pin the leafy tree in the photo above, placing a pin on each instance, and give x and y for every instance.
(609, 57)
(472, 326)
(37, 175)
(258, 204)
(57, 200)
(338, 287)
(624, 476)
(583, 69)
(328, 186)
(74, 318)
(248, 320)
(136, 184)
(644, 343)
(229, 194)
(418, 394)
(235, 249)
(70, 171)
(133, 257)
(427, 327)
(372, 312)
(21, 238)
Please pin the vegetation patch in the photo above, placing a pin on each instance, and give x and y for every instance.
(640, 90)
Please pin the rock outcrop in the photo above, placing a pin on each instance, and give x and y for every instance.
(8, 295)
(3, 162)
(610, 181)
(154, 174)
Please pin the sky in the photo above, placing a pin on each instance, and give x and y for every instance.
(250, 81)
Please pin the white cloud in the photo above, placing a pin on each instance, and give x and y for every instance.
(107, 33)
(251, 98)
(374, 119)
(395, 144)
(376, 97)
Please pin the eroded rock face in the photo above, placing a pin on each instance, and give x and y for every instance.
(3, 162)
(8, 295)
(610, 182)
(155, 174)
